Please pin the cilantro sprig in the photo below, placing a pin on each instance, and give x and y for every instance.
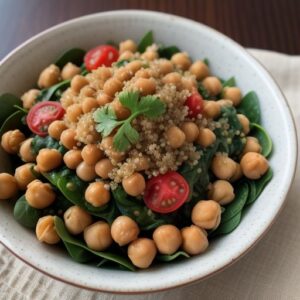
(148, 106)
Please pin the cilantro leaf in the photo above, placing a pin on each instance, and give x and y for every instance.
(131, 133)
(151, 107)
(121, 142)
(129, 100)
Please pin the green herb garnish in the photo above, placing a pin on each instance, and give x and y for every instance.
(148, 106)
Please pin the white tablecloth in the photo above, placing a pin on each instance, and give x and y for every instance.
(270, 271)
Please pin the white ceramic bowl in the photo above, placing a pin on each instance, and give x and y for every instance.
(19, 71)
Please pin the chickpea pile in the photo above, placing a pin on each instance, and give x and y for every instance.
(95, 161)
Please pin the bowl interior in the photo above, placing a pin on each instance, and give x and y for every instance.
(19, 72)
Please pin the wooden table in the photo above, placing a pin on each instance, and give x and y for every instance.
(267, 24)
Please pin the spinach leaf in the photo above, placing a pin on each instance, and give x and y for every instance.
(206, 61)
(14, 121)
(145, 42)
(250, 107)
(167, 258)
(229, 82)
(81, 253)
(252, 192)
(53, 92)
(263, 137)
(167, 52)
(122, 63)
(48, 142)
(228, 226)
(25, 214)
(203, 92)
(74, 55)
(7, 106)
(263, 181)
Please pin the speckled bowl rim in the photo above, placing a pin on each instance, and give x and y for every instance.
(289, 118)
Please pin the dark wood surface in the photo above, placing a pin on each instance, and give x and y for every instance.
(267, 24)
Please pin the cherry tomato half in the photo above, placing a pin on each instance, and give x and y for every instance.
(195, 104)
(42, 115)
(166, 193)
(103, 55)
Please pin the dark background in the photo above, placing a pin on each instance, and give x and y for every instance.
(267, 24)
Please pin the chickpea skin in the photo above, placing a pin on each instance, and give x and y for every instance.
(91, 154)
(223, 166)
(167, 239)
(149, 55)
(222, 192)
(124, 230)
(85, 172)
(11, 141)
(134, 185)
(254, 165)
(145, 86)
(126, 55)
(77, 83)
(191, 131)
(56, 128)
(74, 112)
(29, 98)
(97, 236)
(24, 175)
(97, 194)
(206, 137)
(89, 104)
(8, 186)
(234, 94)
(48, 159)
(103, 167)
(141, 252)
(112, 86)
(77, 219)
(252, 145)
(134, 66)
(72, 159)
(173, 78)
(181, 60)
(49, 76)
(67, 138)
(39, 195)
(103, 99)
(211, 109)
(121, 111)
(238, 173)
(165, 66)
(194, 240)
(244, 122)
(45, 230)
(26, 152)
(213, 85)
(69, 71)
(175, 137)
(123, 74)
(199, 69)
(128, 45)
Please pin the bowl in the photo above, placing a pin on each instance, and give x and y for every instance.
(19, 71)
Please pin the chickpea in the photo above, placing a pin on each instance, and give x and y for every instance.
(74, 112)
(175, 137)
(8, 186)
(11, 141)
(124, 230)
(104, 73)
(26, 152)
(165, 66)
(121, 111)
(142, 163)
(222, 192)
(252, 145)
(97, 236)
(97, 194)
(143, 73)
(122, 74)
(87, 91)
(134, 185)
(149, 55)
(254, 165)
(69, 71)
(145, 86)
(244, 122)
(45, 230)
(78, 82)
(223, 166)
(103, 99)
(77, 219)
(112, 86)
(141, 252)
(29, 98)
(103, 167)
(173, 78)
(167, 239)
(56, 128)
(234, 94)
(199, 69)
(238, 173)
(48, 159)
(206, 137)
(181, 60)
(24, 175)
(211, 109)
(49, 76)
(91, 154)
(72, 159)
(194, 240)
(126, 55)
(39, 195)
(89, 104)
(213, 85)
(128, 45)
(225, 103)
(85, 172)
(67, 138)
(191, 131)
(134, 66)
(189, 84)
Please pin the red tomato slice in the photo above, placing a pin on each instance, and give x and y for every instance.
(103, 55)
(42, 115)
(166, 193)
(195, 104)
